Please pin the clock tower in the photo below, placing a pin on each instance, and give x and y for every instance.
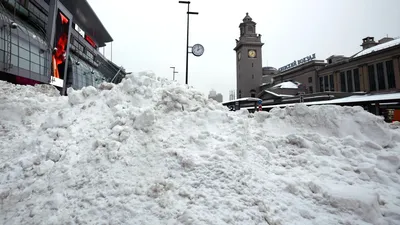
(248, 59)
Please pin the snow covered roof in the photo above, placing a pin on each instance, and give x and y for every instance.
(286, 84)
(243, 99)
(334, 56)
(277, 95)
(367, 98)
(378, 47)
(350, 99)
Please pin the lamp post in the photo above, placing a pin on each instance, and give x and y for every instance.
(173, 72)
(187, 36)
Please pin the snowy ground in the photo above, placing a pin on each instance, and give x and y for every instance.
(149, 151)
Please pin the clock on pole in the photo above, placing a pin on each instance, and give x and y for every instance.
(197, 50)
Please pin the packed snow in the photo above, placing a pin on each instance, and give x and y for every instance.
(151, 151)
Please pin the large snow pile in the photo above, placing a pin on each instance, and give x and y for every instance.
(149, 151)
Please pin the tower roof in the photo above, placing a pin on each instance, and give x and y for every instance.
(247, 18)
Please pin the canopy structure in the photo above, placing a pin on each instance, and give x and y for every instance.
(87, 19)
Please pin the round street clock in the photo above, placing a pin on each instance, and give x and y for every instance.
(252, 53)
(197, 50)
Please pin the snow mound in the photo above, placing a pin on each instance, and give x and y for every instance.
(151, 151)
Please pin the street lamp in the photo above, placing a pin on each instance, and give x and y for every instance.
(187, 36)
(173, 72)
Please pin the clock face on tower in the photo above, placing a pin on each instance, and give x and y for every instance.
(252, 53)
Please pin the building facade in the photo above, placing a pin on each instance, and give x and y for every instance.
(53, 42)
(375, 69)
(248, 59)
(368, 78)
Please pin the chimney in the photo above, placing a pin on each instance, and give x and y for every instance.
(368, 42)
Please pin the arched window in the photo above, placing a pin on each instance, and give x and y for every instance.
(250, 29)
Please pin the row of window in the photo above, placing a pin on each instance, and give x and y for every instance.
(39, 68)
(326, 83)
(81, 48)
(84, 74)
(29, 11)
(24, 34)
(24, 55)
(252, 93)
(39, 13)
(380, 76)
(350, 81)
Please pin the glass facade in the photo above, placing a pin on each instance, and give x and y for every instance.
(29, 11)
(23, 51)
(84, 74)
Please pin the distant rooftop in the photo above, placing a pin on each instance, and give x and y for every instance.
(378, 47)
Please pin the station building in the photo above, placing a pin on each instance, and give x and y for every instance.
(54, 42)
(369, 78)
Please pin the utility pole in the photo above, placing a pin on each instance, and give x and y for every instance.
(187, 36)
(173, 72)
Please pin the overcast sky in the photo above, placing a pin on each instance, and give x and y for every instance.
(151, 35)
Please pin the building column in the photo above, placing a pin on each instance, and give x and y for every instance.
(396, 67)
(336, 79)
(70, 18)
(364, 82)
(50, 30)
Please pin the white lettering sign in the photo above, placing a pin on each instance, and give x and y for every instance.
(297, 63)
(80, 31)
(56, 81)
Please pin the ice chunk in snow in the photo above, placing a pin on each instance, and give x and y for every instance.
(363, 202)
(388, 162)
